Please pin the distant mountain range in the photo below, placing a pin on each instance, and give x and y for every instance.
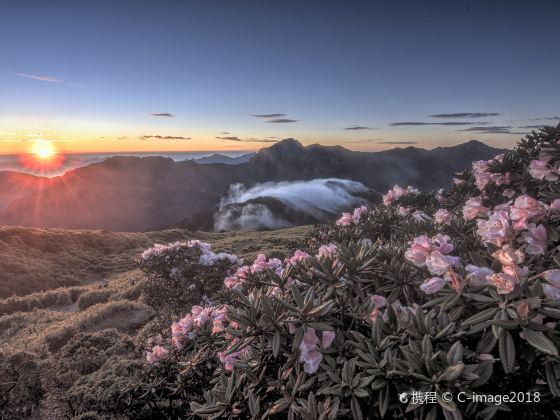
(228, 160)
(140, 194)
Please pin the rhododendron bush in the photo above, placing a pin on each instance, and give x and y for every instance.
(446, 291)
(182, 274)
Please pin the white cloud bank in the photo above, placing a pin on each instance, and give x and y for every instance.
(317, 199)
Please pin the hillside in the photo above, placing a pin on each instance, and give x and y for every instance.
(44, 259)
(142, 194)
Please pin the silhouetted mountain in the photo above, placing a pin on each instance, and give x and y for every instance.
(139, 194)
(426, 169)
(218, 158)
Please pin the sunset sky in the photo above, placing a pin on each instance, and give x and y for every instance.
(104, 76)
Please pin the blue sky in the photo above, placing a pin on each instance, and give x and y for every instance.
(89, 75)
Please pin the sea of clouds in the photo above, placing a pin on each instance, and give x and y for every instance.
(318, 198)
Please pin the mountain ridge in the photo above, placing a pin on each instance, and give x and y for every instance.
(147, 193)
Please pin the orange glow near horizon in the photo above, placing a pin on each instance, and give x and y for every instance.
(42, 157)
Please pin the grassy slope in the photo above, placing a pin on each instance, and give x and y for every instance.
(35, 259)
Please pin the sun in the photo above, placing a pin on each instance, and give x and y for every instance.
(42, 157)
(43, 149)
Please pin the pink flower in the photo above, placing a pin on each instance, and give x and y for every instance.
(522, 308)
(327, 339)
(508, 256)
(503, 282)
(297, 257)
(515, 271)
(397, 192)
(327, 251)
(438, 264)
(551, 292)
(535, 238)
(236, 281)
(540, 169)
(555, 205)
(345, 220)
(432, 285)
(481, 174)
(442, 216)
(441, 243)
(495, 230)
(419, 251)
(523, 209)
(378, 301)
(274, 263)
(479, 276)
(156, 355)
(404, 211)
(229, 360)
(259, 264)
(374, 314)
(309, 354)
(473, 208)
(358, 212)
(552, 276)
(420, 216)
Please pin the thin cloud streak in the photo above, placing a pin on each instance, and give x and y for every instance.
(362, 141)
(398, 142)
(157, 136)
(162, 114)
(466, 115)
(419, 123)
(358, 127)
(269, 115)
(506, 129)
(251, 140)
(282, 120)
(40, 78)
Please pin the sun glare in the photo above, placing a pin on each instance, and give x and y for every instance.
(43, 149)
(42, 157)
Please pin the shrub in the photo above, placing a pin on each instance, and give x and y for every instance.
(182, 274)
(20, 384)
(436, 292)
(100, 393)
(92, 298)
(59, 297)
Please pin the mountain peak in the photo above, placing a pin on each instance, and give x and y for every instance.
(475, 143)
(289, 143)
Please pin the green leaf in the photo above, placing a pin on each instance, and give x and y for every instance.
(276, 344)
(455, 354)
(552, 370)
(506, 347)
(540, 341)
(480, 317)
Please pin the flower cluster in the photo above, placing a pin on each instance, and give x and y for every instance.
(207, 257)
(310, 348)
(540, 169)
(348, 219)
(432, 253)
(200, 317)
(157, 354)
(397, 192)
(483, 174)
